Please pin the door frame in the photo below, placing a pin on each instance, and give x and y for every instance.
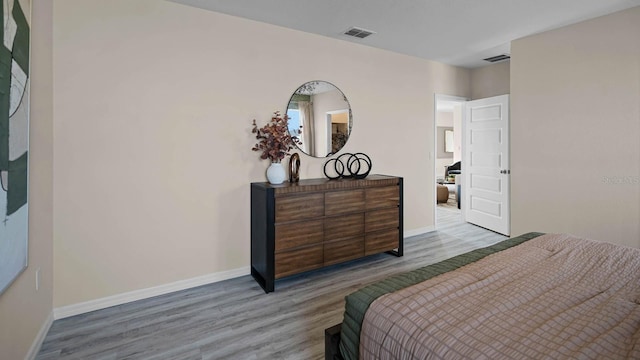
(434, 151)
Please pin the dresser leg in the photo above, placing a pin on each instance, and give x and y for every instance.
(266, 284)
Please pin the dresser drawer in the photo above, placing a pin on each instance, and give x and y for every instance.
(339, 227)
(379, 197)
(297, 207)
(381, 241)
(343, 202)
(292, 235)
(343, 250)
(382, 219)
(296, 261)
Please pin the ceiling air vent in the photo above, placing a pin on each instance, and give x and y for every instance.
(358, 32)
(498, 58)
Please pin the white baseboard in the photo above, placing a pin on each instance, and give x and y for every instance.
(419, 231)
(37, 342)
(97, 304)
(103, 303)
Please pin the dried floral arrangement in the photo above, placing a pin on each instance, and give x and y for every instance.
(274, 140)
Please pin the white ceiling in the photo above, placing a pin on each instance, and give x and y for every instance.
(456, 32)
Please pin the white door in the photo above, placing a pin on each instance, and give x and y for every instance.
(485, 164)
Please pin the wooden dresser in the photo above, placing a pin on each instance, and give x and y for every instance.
(320, 222)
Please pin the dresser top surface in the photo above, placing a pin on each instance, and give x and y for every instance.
(323, 183)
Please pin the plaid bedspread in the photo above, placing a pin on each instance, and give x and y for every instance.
(555, 296)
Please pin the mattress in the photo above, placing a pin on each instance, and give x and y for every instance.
(554, 296)
(357, 303)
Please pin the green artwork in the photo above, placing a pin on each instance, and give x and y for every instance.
(14, 139)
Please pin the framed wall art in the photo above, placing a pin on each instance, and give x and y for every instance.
(14, 139)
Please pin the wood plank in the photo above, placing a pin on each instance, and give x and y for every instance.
(380, 241)
(301, 233)
(343, 202)
(343, 250)
(299, 260)
(379, 197)
(297, 207)
(382, 219)
(339, 227)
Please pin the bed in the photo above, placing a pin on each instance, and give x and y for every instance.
(532, 296)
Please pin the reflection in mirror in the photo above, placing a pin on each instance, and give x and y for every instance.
(323, 115)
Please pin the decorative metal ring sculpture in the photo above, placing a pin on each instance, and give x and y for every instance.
(294, 168)
(349, 165)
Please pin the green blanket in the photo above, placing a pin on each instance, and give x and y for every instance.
(358, 302)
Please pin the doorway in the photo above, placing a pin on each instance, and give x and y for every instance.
(481, 187)
(447, 156)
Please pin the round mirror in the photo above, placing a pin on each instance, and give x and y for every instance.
(320, 116)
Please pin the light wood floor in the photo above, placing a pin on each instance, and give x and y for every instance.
(235, 319)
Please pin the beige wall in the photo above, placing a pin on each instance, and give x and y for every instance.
(457, 135)
(490, 80)
(443, 119)
(153, 108)
(24, 312)
(575, 130)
